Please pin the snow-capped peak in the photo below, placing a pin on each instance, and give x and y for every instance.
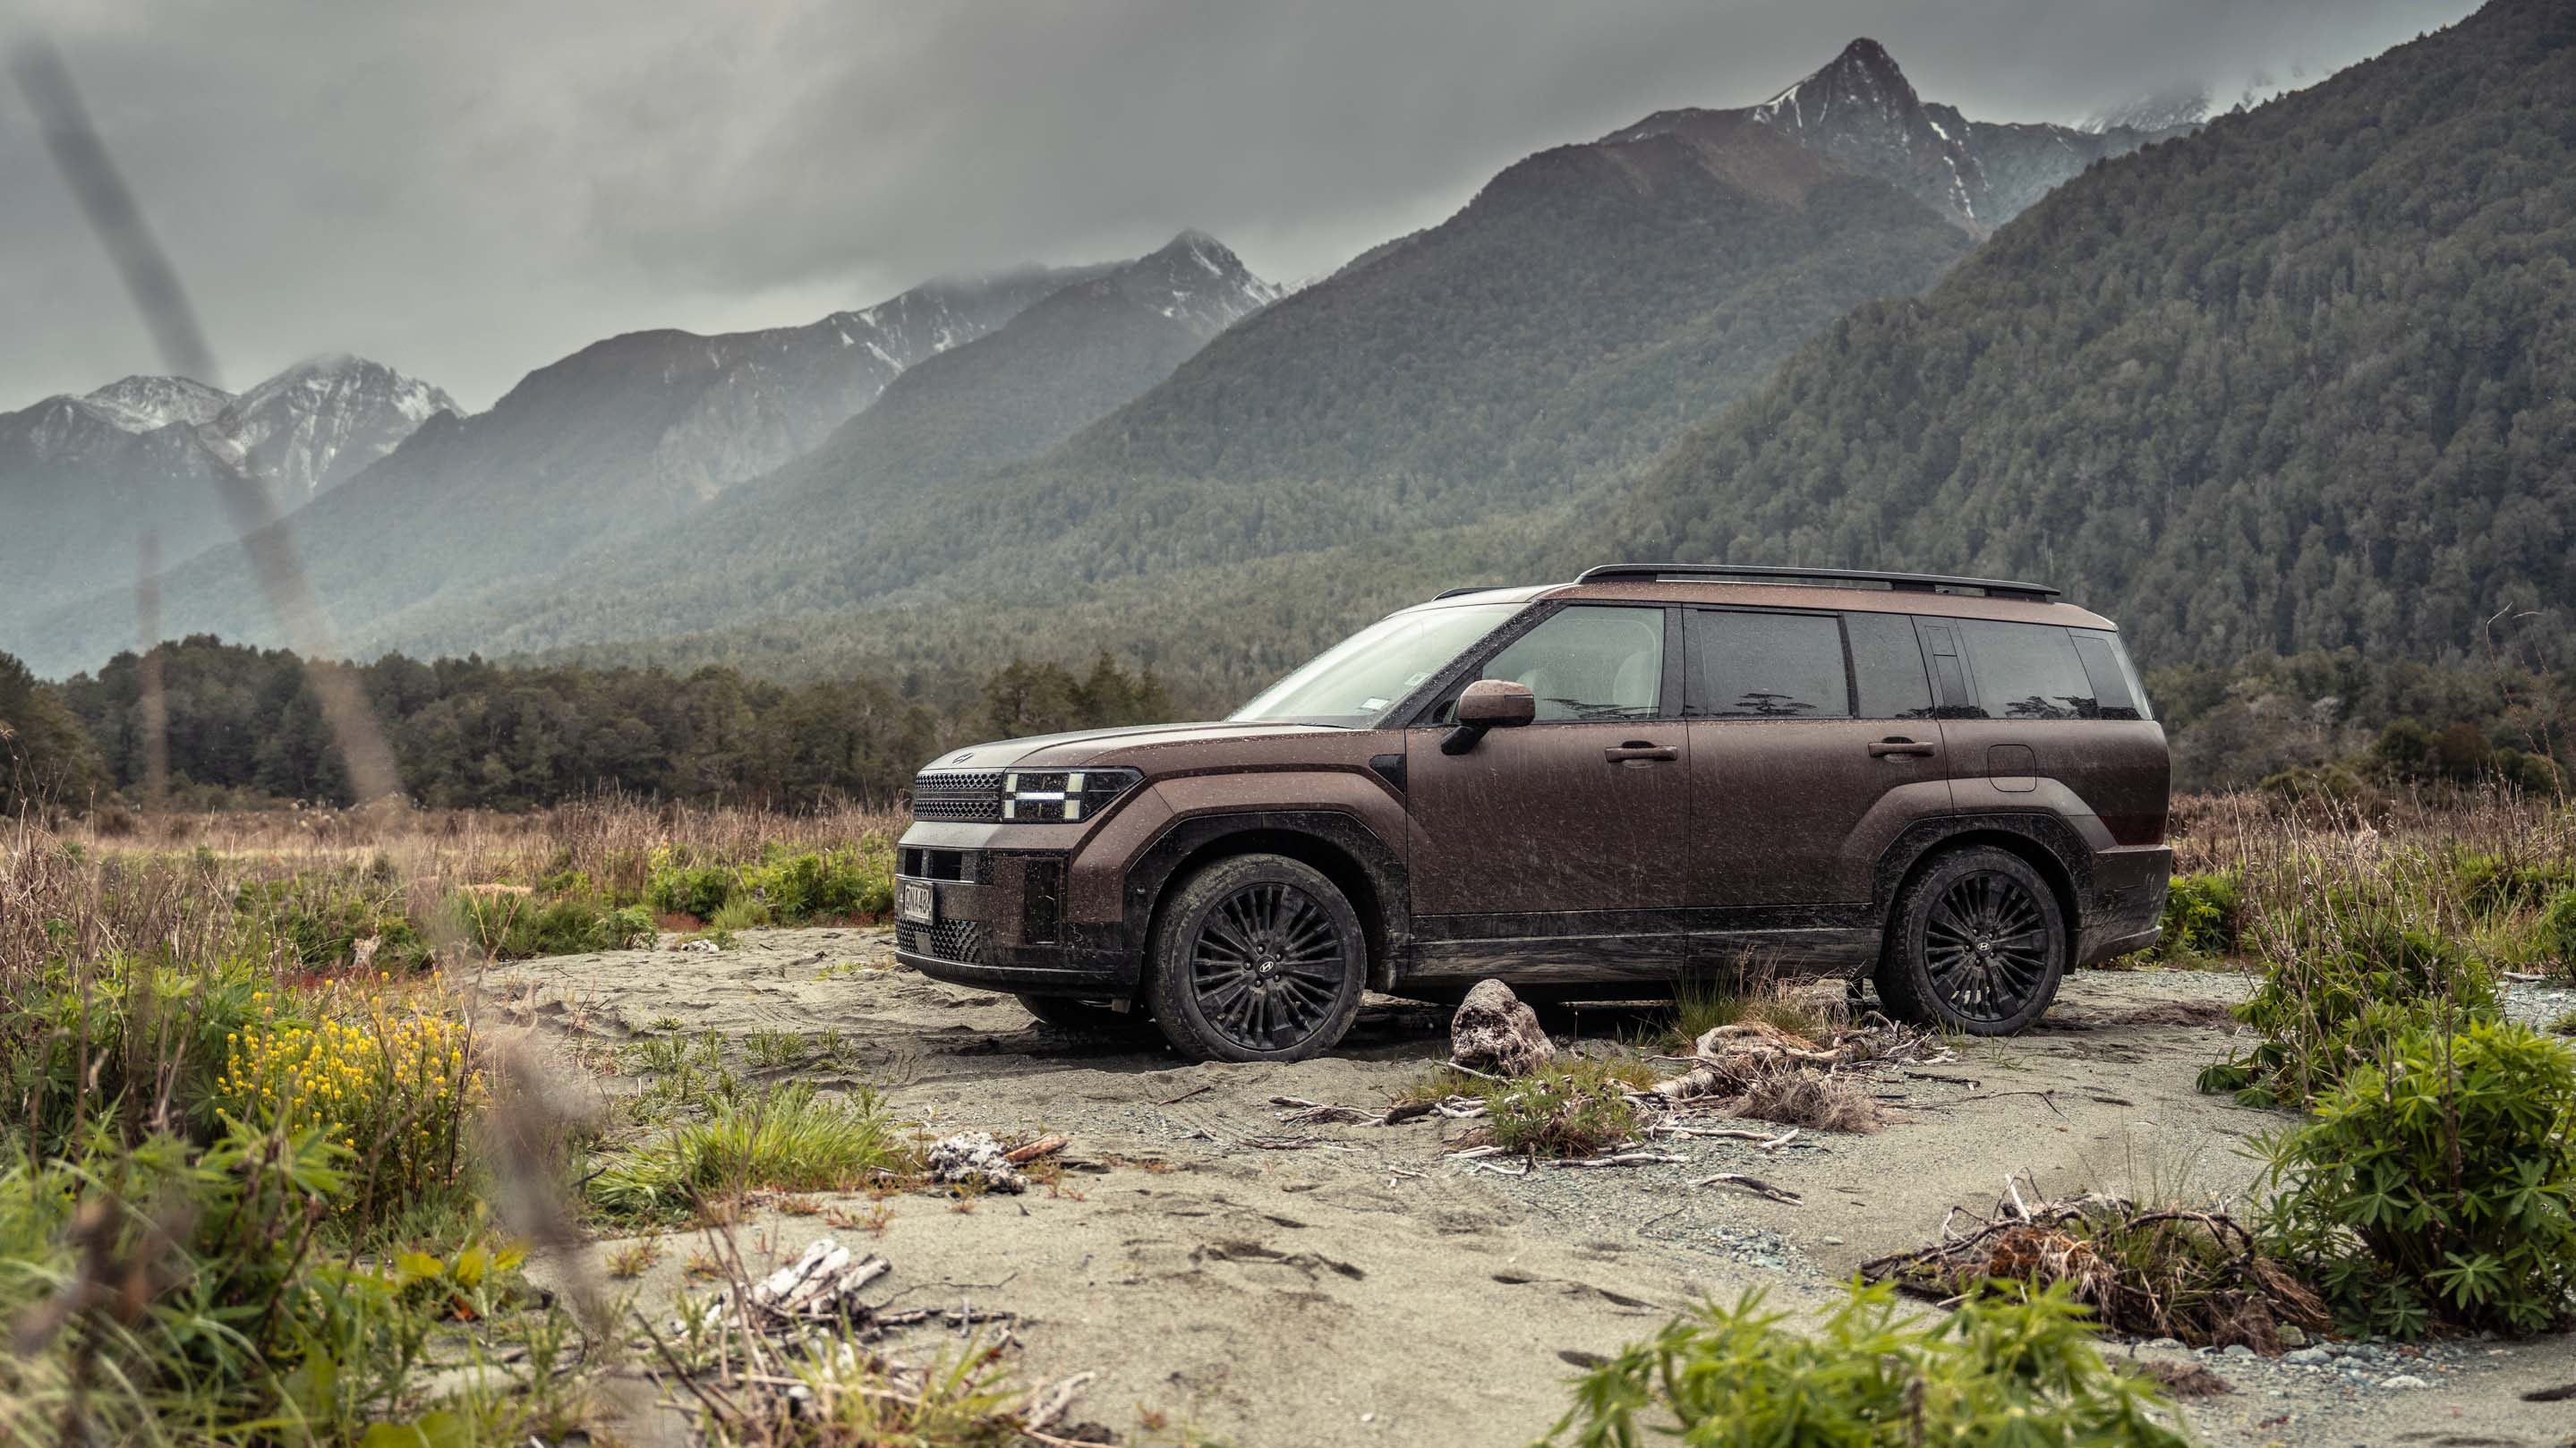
(143, 403)
(322, 420)
(1197, 279)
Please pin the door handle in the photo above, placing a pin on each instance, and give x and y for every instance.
(1901, 749)
(1639, 749)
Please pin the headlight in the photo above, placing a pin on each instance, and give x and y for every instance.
(1042, 796)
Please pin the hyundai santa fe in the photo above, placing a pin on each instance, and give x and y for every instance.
(1656, 772)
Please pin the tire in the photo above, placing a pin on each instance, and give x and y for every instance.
(1070, 1013)
(1977, 944)
(1256, 958)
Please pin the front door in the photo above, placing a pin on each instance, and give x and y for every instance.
(1813, 744)
(1556, 849)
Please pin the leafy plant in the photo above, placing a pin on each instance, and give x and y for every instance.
(323, 918)
(2441, 1189)
(2556, 936)
(1565, 1108)
(2343, 994)
(2007, 1368)
(2203, 917)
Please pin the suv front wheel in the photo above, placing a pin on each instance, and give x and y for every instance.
(1256, 958)
(1977, 944)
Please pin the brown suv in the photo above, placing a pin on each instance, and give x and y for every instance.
(1595, 788)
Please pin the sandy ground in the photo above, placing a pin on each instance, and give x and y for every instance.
(1264, 1284)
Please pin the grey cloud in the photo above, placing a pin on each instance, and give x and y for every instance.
(469, 190)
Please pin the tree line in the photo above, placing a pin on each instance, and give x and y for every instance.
(244, 726)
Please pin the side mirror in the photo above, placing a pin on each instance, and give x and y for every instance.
(1489, 704)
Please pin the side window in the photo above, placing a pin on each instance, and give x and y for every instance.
(2114, 679)
(2028, 671)
(1887, 667)
(1747, 665)
(1590, 661)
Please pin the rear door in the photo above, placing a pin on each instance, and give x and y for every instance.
(1812, 742)
(2049, 717)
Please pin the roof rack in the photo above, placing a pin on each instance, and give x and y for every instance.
(1470, 588)
(1828, 577)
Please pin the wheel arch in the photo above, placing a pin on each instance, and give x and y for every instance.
(1339, 845)
(2047, 844)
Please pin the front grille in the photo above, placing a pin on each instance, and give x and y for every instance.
(974, 797)
(961, 941)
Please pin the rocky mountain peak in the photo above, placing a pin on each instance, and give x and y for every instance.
(142, 403)
(1196, 279)
(321, 421)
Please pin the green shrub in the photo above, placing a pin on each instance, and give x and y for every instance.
(510, 926)
(2203, 917)
(322, 918)
(128, 1041)
(250, 1336)
(786, 887)
(2441, 1190)
(682, 889)
(2347, 993)
(788, 1138)
(2557, 932)
(2492, 885)
(1563, 1109)
(2005, 1369)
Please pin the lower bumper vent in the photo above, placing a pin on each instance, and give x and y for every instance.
(961, 941)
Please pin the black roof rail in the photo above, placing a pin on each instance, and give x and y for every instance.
(1829, 577)
(1470, 588)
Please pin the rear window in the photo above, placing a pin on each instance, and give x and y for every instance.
(1766, 666)
(2115, 679)
(2027, 671)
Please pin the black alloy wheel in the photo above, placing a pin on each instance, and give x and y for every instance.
(1987, 946)
(1977, 944)
(1258, 958)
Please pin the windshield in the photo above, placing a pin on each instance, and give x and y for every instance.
(1356, 681)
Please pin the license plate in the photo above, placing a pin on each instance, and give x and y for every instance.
(916, 901)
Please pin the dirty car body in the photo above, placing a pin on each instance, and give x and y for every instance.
(1653, 773)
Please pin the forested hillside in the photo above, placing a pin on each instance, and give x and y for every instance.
(765, 548)
(623, 437)
(2297, 382)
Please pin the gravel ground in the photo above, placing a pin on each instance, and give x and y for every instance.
(1247, 1277)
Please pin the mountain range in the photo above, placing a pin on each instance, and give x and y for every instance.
(2297, 382)
(2282, 381)
(80, 477)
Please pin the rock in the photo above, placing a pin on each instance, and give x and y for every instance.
(1495, 1033)
(2291, 1336)
(2403, 1380)
(2308, 1357)
(2236, 1350)
(2171, 1344)
(974, 1159)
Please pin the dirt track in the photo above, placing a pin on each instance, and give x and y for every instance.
(1277, 1285)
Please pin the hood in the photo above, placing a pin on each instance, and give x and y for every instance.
(1132, 744)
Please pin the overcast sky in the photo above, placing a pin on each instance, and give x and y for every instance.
(467, 190)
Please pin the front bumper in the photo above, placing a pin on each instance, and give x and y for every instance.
(998, 921)
(2126, 905)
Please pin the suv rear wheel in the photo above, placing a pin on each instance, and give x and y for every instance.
(1977, 944)
(1257, 958)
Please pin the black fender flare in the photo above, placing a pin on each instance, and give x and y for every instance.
(2051, 845)
(1335, 841)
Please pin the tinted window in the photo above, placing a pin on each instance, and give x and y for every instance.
(1887, 667)
(1767, 666)
(2115, 680)
(1590, 662)
(2027, 671)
